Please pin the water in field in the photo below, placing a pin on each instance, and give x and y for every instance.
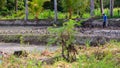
(11, 47)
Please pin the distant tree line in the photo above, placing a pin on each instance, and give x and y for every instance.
(8, 7)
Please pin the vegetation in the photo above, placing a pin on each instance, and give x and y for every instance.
(88, 57)
(36, 7)
(48, 14)
(70, 55)
(79, 8)
(65, 39)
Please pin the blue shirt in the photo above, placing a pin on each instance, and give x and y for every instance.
(105, 18)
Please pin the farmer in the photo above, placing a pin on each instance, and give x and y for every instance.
(104, 20)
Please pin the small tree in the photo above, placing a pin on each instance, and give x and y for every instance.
(69, 6)
(65, 37)
(82, 6)
(72, 5)
(2, 3)
(36, 7)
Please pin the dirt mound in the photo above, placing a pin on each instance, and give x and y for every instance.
(95, 22)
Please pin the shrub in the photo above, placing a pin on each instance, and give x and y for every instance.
(64, 36)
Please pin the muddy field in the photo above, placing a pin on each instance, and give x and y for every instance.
(40, 35)
(35, 38)
(110, 32)
(11, 35)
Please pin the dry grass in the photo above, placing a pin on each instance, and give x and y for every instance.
(31, 61)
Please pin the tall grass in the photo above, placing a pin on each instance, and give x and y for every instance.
(93, 62)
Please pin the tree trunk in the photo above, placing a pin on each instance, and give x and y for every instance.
(36, 16)
(26, 10)
(55, 9)
(92, 8)
(111, 7)
(101, 7)
(70, 13)
(16, 6)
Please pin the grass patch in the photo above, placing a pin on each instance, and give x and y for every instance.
(24, 39)
(107, 56)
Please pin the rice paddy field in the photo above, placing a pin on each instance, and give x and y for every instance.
(59, 34)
